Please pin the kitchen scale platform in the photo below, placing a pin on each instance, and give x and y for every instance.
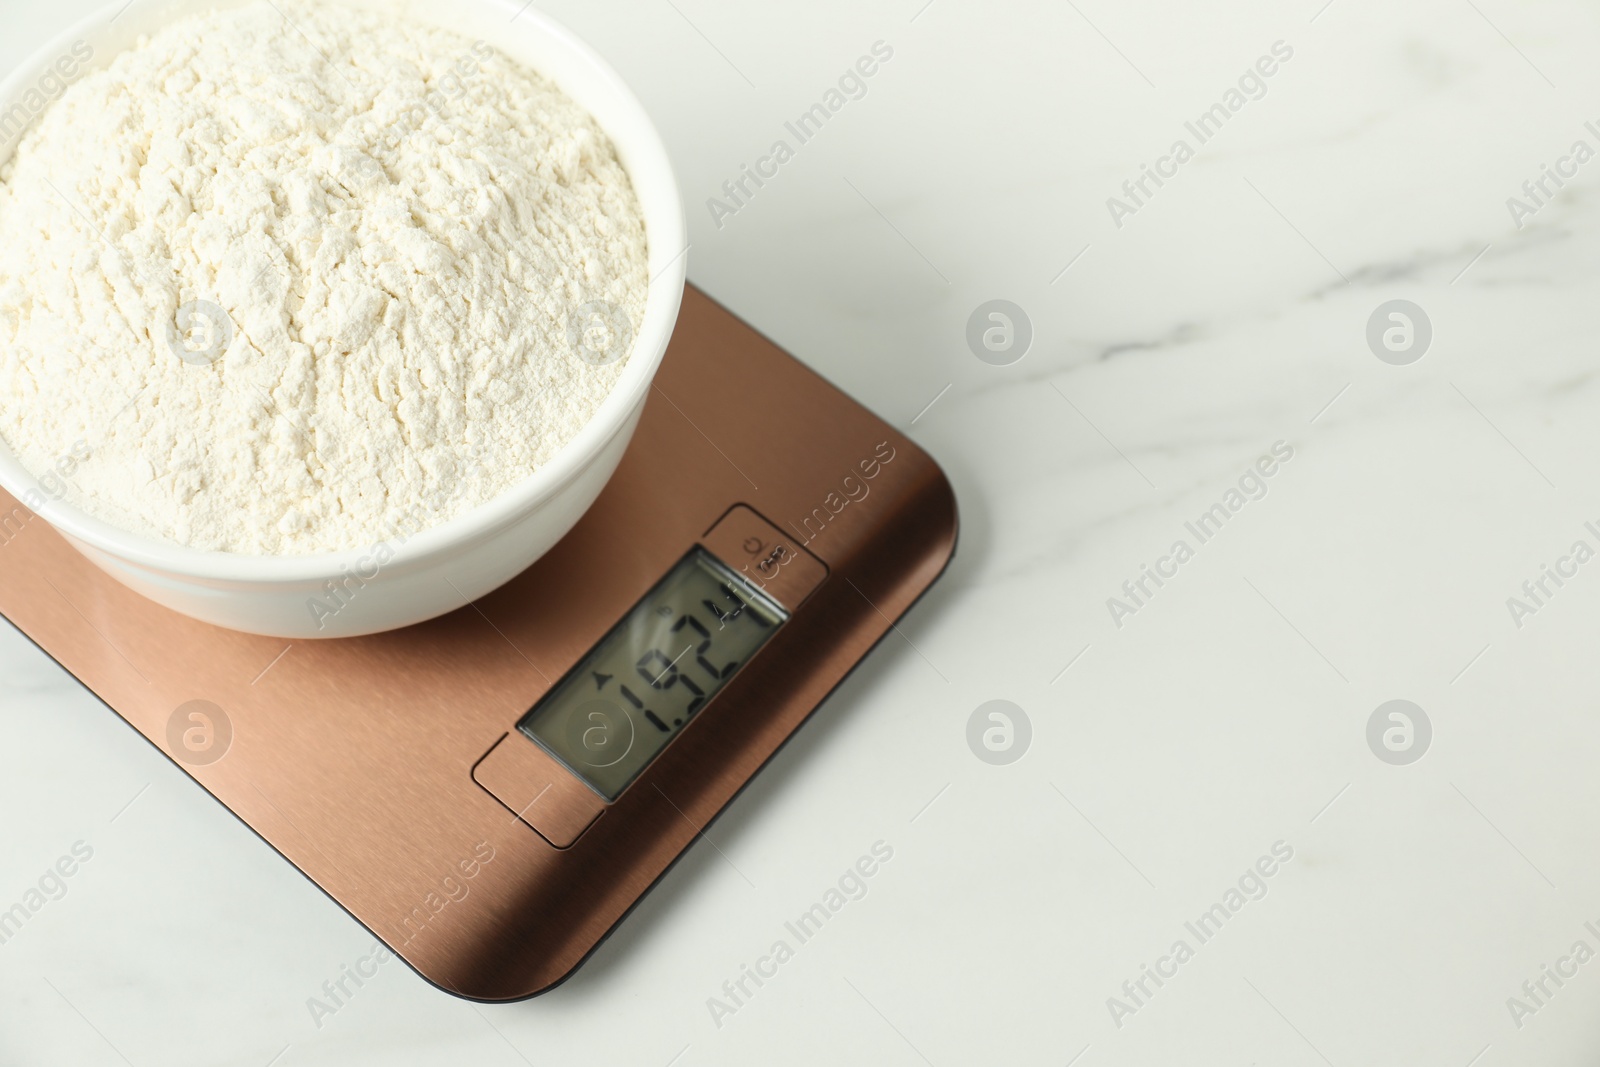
(491, 792)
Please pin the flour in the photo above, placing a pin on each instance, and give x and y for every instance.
(295, 275)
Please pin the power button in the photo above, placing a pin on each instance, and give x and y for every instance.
(767, 558)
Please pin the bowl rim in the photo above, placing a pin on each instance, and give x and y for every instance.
(643, 155)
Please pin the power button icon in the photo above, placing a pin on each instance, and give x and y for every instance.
(771, 560)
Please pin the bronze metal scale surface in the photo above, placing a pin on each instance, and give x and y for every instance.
(763, 529)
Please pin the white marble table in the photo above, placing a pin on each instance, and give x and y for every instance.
(1172, 746)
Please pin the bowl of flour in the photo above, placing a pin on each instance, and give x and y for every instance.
(318, 320)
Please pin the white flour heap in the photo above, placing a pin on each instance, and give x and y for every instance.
(289, 279)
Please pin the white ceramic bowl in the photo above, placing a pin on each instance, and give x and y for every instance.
(442, 568)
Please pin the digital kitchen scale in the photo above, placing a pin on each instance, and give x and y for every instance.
(490, 792)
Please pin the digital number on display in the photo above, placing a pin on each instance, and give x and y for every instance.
(648, 678)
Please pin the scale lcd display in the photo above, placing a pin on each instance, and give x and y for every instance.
(653, 673)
